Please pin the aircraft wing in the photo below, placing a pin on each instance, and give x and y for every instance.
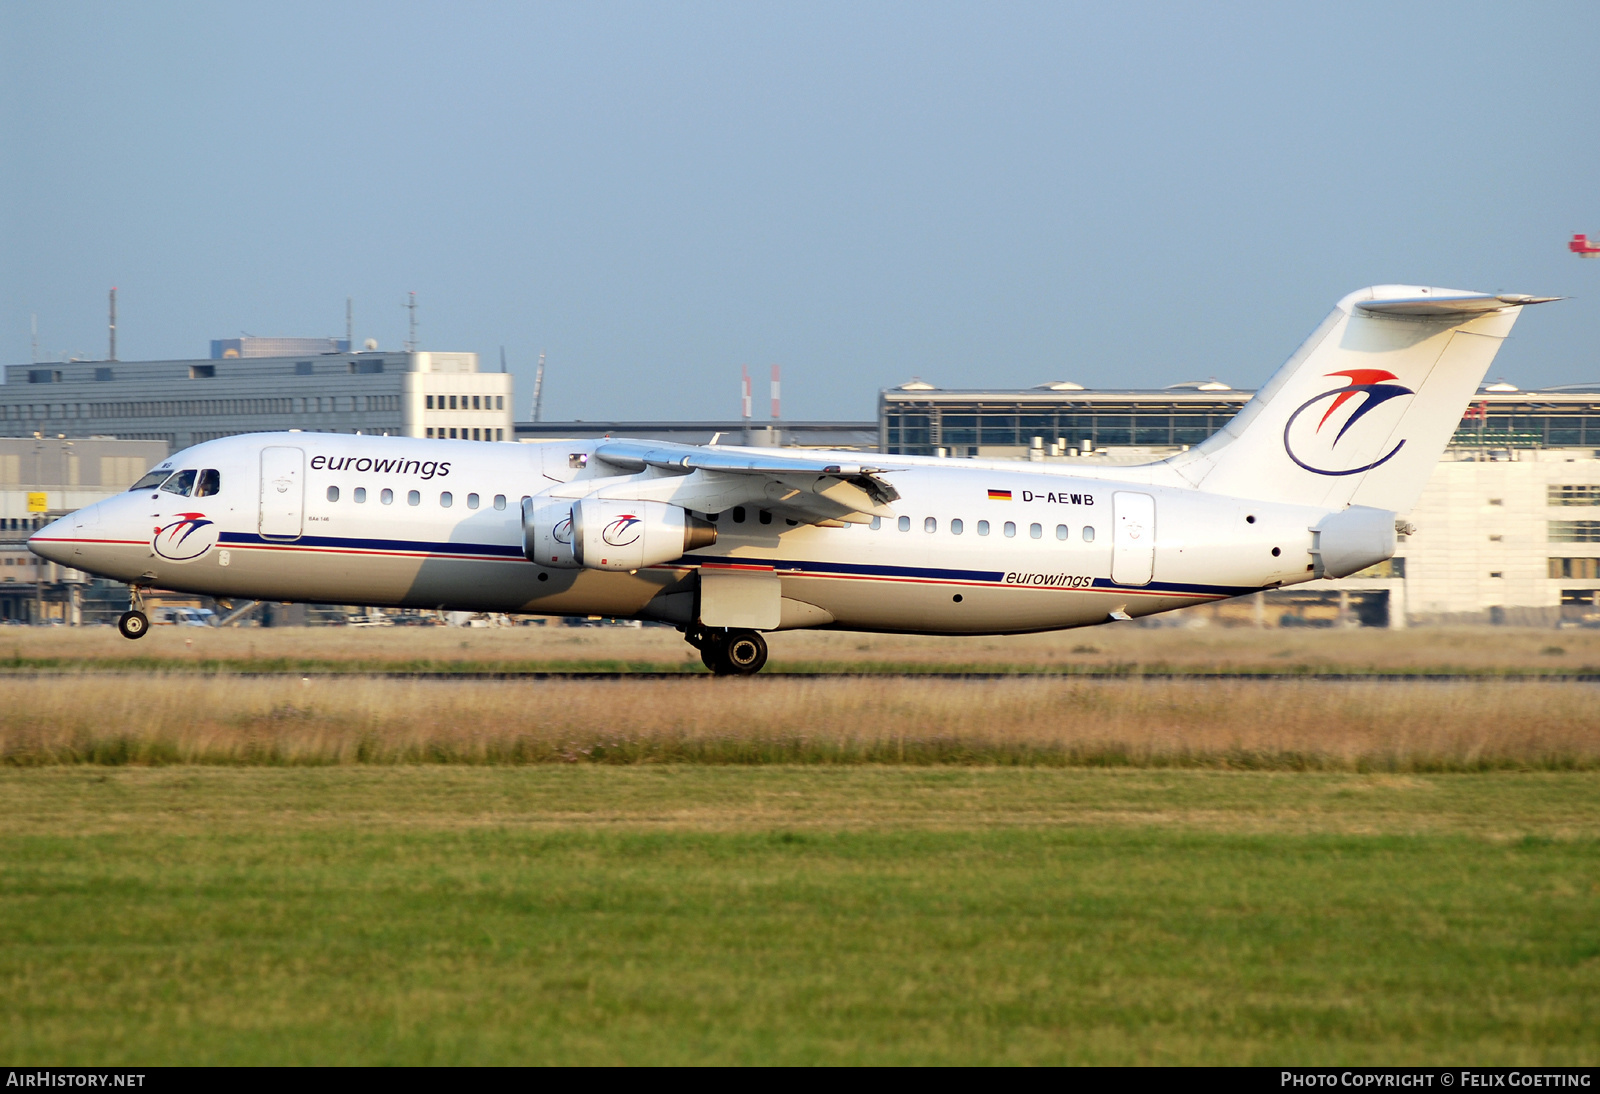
(809, 489)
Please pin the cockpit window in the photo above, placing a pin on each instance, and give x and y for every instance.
(210, 483)
(181, 483)
(151, 480)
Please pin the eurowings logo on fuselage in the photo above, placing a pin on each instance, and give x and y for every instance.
(186, 538)
(1318, 450)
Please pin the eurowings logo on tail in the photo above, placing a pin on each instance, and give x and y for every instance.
(186, 538)
(1316, 448)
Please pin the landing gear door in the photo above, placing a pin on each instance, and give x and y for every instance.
(283, 492)
(1133, 538)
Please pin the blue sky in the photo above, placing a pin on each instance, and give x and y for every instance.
(977, 194)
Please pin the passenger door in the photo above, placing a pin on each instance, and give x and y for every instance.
(282, 492)
(1133, 538)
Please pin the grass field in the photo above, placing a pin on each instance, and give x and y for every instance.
(322, 866)
(1120, 649)
(1294, 724)
(780, 914)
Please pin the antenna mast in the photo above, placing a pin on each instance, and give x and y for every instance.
(411, 306)
(33, 322)
(349, 325)
(538, 390)
(113, 324)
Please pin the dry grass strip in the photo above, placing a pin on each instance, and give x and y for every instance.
(1290, 725)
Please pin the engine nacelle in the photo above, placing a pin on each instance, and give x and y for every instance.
(630, 535)
(547, 534)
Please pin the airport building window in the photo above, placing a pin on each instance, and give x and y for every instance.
(500, 434)
(333, 493)
(202, 372)
(983, 527)
(472, 501)
(1584, 494)
(1036, 531)
(499, 402)
(957, 527)
(1585, 569)
(387, 496)
(1088, 534)
(360, 495)
(446, 499)
(304, 368)
(452, 402)
(1010, 529)
(1061, 531)
(1575, 531)
(475, 435)
(499, 501)
(430, 402)
(414, 497)
(430, 431)
(1569, 597)
(475, 406)
(905, 524)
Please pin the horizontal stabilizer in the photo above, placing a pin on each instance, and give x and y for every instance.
(1446, 305)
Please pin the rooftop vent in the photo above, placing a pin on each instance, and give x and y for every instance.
(1058, 385)
(916, 383)
(1212, 384)
(1500, 385)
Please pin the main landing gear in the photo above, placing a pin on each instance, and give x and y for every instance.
(729, 653)
(134, 623)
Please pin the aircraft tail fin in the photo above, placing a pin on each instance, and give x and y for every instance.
(1361, 412)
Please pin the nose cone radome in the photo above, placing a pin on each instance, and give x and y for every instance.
(53, 541)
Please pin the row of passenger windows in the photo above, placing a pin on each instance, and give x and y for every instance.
(466, 402)
(931, 524)
(1008, 529)
(467, 434)
(186, 483)
(413, 497)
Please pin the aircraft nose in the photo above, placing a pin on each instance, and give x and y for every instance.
(53, 541)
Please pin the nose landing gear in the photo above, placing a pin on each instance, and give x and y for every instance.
(729, 653)
(134, 623)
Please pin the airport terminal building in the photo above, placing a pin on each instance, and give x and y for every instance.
(1508, 527)
(410, 394)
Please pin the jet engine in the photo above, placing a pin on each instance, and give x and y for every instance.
(547, 534)
(629, 535)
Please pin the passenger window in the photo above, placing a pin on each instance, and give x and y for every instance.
(333, 493)
(877, 522)
(1061, 531)
(387, 497)
(983, 527)
(361, 495)
(1036, 531)
(446, 499)
(472, 501)
(499, 501)
(181, 483)
(905, 524)
(930, 525)
(1010, 529)
(151, 480)
(956, 527)
(1088, 534)
(414, 497)
(210, 483)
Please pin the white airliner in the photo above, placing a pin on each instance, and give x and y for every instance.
(1308, 481)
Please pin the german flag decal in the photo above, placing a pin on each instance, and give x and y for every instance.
(999, 495)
